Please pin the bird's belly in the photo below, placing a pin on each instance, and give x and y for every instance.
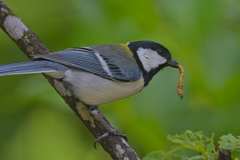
(94, 90)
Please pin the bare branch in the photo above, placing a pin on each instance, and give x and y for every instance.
(30, 44)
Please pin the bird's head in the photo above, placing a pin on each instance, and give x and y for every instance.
(151, 57)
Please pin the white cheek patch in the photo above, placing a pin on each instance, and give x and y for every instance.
(150, 59)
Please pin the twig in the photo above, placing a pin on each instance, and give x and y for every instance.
(30, 44)
(224, 155)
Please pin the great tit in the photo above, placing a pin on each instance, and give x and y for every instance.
(102, 73)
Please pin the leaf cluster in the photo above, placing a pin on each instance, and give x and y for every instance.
(204, 146)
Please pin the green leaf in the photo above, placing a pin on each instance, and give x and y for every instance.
(195, 141)
(189, 140)
(231, 143)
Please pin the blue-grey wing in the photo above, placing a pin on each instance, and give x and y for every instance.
(85, 59)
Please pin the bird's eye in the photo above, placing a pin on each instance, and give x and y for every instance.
(160, 51)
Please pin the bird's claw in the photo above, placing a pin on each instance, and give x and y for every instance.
(112, 132)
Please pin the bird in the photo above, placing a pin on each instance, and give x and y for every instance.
(100, 74)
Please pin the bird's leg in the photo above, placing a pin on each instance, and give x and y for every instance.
(110, 130)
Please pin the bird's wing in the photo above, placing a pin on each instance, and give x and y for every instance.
(86, 59)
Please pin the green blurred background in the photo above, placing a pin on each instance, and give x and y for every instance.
(202, 35)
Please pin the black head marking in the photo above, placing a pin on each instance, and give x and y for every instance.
(160, 49)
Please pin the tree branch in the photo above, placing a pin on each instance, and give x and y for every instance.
(30, 44)
(224, 154)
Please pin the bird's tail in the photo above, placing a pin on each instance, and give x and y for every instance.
(28, 67)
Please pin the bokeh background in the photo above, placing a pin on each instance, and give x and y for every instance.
(202, 35)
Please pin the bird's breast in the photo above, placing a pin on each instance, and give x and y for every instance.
(95, 90)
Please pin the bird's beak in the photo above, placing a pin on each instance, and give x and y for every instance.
(172, 63)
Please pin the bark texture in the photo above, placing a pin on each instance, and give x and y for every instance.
(30, 44)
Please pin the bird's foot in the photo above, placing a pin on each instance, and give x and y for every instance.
(110, 130)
